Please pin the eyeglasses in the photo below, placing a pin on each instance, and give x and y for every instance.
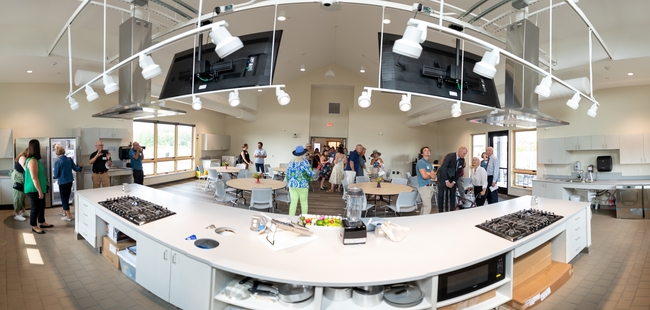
(99, 145)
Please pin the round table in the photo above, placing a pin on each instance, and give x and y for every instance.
(229, 170)
(386, 189)
(280, 169)
(247, 184)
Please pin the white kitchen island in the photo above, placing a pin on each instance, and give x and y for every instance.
(189, 277)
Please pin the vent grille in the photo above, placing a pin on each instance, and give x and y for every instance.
(335, 108)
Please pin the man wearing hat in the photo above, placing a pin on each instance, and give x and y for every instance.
(298, 176)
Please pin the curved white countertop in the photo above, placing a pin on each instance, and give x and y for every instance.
(436, 243)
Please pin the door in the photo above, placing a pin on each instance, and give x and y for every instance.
(153, 267)
(499, 141)
(190, 285)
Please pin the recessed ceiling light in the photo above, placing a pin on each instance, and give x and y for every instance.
(302, 67)
(282, 16)
(627, 74)
(259, 90)
(363, 69)
(29, 71)
(386, 18)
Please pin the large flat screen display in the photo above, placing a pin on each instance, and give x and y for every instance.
(249, 66)
(436, 73)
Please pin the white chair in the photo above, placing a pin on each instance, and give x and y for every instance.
(366, 206)
(413, 182)
(242, 174)
(282, 195)
(399, 181)
(408, 175)
(261, 198)
(213, 176)
(241, 166)
(202, 175)
(267, 170)
(314, 172)
(220, 195)
(273, 175)
(388, 176)
(345, 184)
(363, 179)
(406, 202)
(225, 177)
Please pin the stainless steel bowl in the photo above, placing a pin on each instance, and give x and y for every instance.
(338, 293)
(293, 293)
(368, 296)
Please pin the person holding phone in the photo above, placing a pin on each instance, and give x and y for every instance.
(136, 154)
(101, 161)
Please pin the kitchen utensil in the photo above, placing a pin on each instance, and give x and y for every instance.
(338, 293)
(368, 296)
(292, 293)
(263, 289)
(298, 304)
(403, 296)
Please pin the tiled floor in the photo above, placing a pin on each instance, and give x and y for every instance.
(615, 275)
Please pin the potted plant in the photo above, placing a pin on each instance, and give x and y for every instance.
(257, 177)
(379, 180)
(225, 164)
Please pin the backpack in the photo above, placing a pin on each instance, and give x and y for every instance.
(240, 160)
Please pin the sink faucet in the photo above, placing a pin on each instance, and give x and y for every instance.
(581, 175)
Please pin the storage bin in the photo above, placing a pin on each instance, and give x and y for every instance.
(127, 263)
(574, 198)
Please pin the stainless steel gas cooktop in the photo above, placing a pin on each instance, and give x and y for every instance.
(520, 224)
(137, 211)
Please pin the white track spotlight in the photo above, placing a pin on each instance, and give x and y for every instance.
(225, 43)
(90, 94)
(282, 16)
(574, 102)
(302, 68)
(283, 97)
(486, 68)
(364, 100)
(405, 103)
(330, 73)
(109, 85)
(73, 103)
(409, 44)
(593, 109)
(386, 19)
(544, 88)
(149, 68)
(455, 109)
(196, 103)
(233, 98)
(363, 69)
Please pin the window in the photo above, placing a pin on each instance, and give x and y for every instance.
(525, 160)
(478, 146)
(169, 147)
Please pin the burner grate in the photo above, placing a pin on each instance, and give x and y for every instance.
(520, 224)
(135, 210)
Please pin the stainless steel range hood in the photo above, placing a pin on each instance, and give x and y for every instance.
(135, 91)
(520, 106)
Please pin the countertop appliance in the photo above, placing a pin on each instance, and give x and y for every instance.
(604, 163)
(135, 210)
(646, 199)
(629, 201)
(515, 226)
(472, 278)
(354, 229)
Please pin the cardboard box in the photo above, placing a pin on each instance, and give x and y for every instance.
(110, 249)
(531, 263)
(471, 302)
(534, 290)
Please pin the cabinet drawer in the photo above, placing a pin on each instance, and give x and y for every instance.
(579, 218)
(574, 245)
(89, 235)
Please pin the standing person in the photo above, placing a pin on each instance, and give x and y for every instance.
(479, 181)
(484, 160)
(18, 176)
(259, 155)
(298, 176)
(36, 187)
(325, 169)
(362, 162)
(243, 157)
(492, 175)
(315, 160)
(352, 167)
(337, 172)
(377, 163)
(426, 176)
(101, 161)
(135, 154)
(63, 173)
(448, 175)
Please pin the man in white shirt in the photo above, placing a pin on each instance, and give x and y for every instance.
(492, 175)
(479, 181)
(259, 155)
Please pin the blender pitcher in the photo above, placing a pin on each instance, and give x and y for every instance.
(355, 204)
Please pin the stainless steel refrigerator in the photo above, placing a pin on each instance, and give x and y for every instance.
(49, 157)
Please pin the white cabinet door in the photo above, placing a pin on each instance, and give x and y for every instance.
(89, 137)
(6, 191)
(153, 267)
(190, 282)
(539, 189)
(120, 133)
(571, 143)
(632, 149)
(544, 151)
(612, 142)
(106, 133)
(584, 142)
(558, 152)
(555, 191)
(6, 143)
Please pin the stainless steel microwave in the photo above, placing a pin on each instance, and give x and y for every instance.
(472, 278)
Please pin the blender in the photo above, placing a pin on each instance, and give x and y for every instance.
(354, 230)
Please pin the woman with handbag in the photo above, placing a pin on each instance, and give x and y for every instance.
(18, 177)
(63, 173)
(36, 187)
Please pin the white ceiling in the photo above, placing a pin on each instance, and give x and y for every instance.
(316, 37)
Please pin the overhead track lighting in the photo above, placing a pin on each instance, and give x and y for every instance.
(485, 67)
(363, 69)
(544, 88)
(574, 102)
(386, 19)
(91, 94)
(283, 97)
(282, 16)
(225, 43)
(364, 100)
(405, 103)
(196, 103)
(233, 98)
(109, 85)
(302, 68)
(149, 68)
(414, 35)
(455, 109)
(73, 103)
(593, 109)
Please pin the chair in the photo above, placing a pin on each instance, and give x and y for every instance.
(220, 195)
(225, 177)
(201, 175)
(282, 195)
(213, 176)
(284, 165)
(261, 198)
(363, 179)
(406, 202)
(242, 174)
(408, 175)
(314, 172)
(366, 206)
(267, 170)
(413, 182)
(388, 177)
(399, 181)
(345, 184)
(242, 166)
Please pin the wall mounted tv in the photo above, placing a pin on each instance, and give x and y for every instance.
(435, 73)
(249, 66)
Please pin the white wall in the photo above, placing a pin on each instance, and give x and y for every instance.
(321, 96)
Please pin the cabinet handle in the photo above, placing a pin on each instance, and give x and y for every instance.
(85, 223)
(174, 258)
(165, 255)
(577, 218)
(577, 249)
(85, 214)
(577, 238)
(577, 228)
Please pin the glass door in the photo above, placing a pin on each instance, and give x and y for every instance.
(499, 141)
